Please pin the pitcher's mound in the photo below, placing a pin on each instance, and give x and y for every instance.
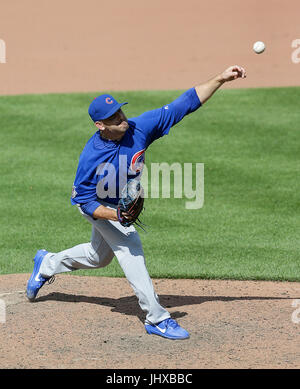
(96, 322)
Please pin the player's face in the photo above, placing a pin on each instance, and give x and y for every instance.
(115, 126)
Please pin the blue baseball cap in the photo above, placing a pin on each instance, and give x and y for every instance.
(104, 106)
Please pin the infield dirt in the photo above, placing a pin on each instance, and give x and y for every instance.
(67, 46)
(95, 322)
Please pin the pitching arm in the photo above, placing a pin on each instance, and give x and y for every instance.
(206, 90)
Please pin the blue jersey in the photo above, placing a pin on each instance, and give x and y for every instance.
(105, 166)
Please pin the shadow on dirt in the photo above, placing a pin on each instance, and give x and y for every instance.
(129, 305)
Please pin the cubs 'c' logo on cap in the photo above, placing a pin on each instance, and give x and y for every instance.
(137, 162)
(108, 100)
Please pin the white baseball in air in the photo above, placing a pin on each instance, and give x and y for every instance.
(259, 47)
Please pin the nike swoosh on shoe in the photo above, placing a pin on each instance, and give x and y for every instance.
(161, 330)
(37, 277)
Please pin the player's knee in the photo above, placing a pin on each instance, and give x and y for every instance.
(104, 261)
(100, 257)
(92, 255)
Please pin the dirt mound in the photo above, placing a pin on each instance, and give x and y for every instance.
(96, 323)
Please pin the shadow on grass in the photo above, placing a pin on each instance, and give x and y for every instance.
(129, 305)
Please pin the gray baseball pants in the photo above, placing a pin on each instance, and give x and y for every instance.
(109, 239)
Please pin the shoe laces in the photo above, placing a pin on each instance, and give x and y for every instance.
(172, 323)
(51, 280)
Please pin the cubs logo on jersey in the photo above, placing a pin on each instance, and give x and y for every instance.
(137, 162)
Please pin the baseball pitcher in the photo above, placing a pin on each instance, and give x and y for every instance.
(109, 196)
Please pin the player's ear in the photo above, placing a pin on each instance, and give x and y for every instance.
(99, 125)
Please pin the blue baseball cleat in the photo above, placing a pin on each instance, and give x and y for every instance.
(168, 328)
(36, 281)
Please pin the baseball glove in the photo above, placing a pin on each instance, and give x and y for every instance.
(131, 203)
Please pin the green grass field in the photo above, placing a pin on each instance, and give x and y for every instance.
(249, 141)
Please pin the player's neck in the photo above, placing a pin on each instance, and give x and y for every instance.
(111, 138)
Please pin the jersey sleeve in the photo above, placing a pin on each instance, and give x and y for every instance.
(84, 194)
(90, 207)
(157, 123)
(84, 191)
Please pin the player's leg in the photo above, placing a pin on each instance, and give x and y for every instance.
(94, 254)
(127, 247)
(91, 255)
(109, 239)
